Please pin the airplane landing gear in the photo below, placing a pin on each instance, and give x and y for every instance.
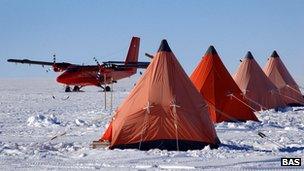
(107, 88)
(67, 89)
(76, 89)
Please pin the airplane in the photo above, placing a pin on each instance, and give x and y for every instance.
(93, 75)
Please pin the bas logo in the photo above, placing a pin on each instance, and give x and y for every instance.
(290, 161)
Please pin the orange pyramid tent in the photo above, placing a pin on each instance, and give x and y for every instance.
(213, 81)
(164, 110)
(261, 93)
(279, 75)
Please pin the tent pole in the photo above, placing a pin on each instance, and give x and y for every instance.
(112, 93)
(105, 91)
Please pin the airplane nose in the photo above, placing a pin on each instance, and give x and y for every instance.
(62, 78)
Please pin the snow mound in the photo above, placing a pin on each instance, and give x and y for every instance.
(9, 150)
(43, 121)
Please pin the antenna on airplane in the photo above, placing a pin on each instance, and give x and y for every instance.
(111, 104)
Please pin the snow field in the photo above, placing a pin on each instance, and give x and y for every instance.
(38, 131)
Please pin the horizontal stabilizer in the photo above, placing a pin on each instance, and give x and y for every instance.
(120, 66)
(149, 55)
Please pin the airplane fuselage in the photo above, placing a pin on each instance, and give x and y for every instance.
(92, 75)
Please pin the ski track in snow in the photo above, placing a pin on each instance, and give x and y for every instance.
(30, 117)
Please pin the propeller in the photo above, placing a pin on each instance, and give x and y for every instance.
(47, 70)
(98, 64)
(98, 76)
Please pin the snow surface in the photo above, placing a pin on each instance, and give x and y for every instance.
(41, 127)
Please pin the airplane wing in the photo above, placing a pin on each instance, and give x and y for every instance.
(57, 66)
(27, 61)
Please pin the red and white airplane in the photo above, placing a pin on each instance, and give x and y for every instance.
(97, 75)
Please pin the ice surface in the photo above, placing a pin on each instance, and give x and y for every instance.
(41, 127)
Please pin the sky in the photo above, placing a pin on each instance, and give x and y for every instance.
(77, 31)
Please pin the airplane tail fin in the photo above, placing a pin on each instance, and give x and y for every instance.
(132, 56)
